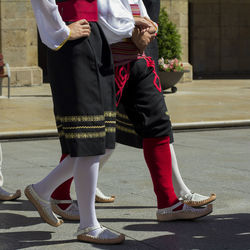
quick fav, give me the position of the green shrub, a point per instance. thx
(169, 39)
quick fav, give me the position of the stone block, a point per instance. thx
(25, 76)
(10, 38)
(188, 76)
(13, 9)
(15, 56)
(32, 56)
(37, 76)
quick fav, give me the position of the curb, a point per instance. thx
(176, 127)
(29, 134)
(210, 125)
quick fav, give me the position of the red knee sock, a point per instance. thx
(63, 191)
(158, 158)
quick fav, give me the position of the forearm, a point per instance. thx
(52, 29)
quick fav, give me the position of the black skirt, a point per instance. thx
(83, 90)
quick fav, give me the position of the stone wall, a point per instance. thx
(178, 14)
(18, 42)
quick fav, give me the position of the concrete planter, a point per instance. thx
(170, 79)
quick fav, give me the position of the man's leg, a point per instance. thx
(146, 108)
(182, 191)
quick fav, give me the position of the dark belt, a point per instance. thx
(60, 1)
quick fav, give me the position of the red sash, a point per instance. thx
(74, 10)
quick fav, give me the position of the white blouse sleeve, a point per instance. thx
(52, 29)
(144, 13)
(116, 19)
(143, 10)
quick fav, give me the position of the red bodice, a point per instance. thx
(74, 10)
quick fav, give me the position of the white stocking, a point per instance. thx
(85, 177)
(56, 177)
(179, 186)
(105, 158)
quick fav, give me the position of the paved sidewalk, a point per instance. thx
(203, 103)
(210, 161)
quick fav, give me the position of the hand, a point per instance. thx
(153, 28)
(79, 29)
(141, 39)
(145, 24)
(142, 23)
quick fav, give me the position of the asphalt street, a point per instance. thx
(211, 161)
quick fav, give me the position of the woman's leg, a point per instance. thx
(60, 174)
(39, 194)
(99, 195)
(4, 195)
(62, 193)
(85, 177)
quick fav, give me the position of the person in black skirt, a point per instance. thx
(82, 83)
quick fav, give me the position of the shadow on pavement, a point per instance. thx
(19, 240)
(229, 231)
(10, 220)
(17, 205)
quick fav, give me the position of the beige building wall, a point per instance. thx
(18, 41)
(19, 44)
(178, 14)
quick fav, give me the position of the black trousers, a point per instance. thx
(142, 111)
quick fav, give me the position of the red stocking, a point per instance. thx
(158, 158)
(63, 191)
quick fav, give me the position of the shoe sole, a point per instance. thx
(11, 198)
(64, 215)
(201, 203)
(40, 210)
(91, 239)
(102, 200)
(184, 215)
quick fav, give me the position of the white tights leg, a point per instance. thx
(103, 160)
(85, 176)
(179, 186)
(56, 177)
